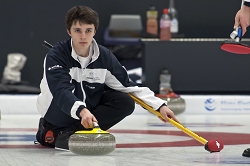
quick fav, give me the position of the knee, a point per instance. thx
(129, 104)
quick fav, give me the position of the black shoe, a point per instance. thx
(62, 141)
(44, 135)
(246, 152)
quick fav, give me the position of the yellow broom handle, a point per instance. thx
(171, 121)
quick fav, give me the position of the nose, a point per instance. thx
(83, 35)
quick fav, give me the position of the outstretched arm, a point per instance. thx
(242, 17)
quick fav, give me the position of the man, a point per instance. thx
(83, 83)
(242, 19)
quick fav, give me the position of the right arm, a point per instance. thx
(87, 118)
(242, 17)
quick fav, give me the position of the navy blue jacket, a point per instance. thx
(67, 87)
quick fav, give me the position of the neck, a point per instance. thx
(82, 52)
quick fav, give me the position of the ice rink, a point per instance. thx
(142, 139)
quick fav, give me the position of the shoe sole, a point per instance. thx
(246, 155)
(62, 149)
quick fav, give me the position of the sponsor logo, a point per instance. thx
(54, 67)
(90, 87)
(210, 104)
(226, 105)
(217, 144)
(92, 76)
(237, 105)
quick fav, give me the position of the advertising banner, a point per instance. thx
(217, 104)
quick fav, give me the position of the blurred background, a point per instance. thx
(26, 24)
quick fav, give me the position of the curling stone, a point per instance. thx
(92, 142)
(175, 102)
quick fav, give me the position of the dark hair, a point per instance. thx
(83, 14)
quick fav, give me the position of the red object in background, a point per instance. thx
(235, 47)
(171, 94)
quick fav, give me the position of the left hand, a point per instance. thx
(167, 113)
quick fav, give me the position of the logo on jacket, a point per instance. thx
(90, 87)
(54, 67)
(92, 76)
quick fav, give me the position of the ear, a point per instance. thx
(68, 32)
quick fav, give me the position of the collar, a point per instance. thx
(93, 46)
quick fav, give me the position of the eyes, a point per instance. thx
(80, 31)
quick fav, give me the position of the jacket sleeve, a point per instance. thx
(247, 3)
(117, 78)
(60, 83)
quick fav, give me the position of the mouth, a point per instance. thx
(82, 43)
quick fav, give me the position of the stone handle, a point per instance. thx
(95, 125)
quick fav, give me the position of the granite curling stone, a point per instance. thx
(174, 102)
(92, 142)
(177, 105)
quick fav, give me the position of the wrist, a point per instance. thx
(80, 108)
(82, 112)
(164, 104)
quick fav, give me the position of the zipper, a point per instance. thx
(82, 75)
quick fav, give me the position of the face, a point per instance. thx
(82, 35)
